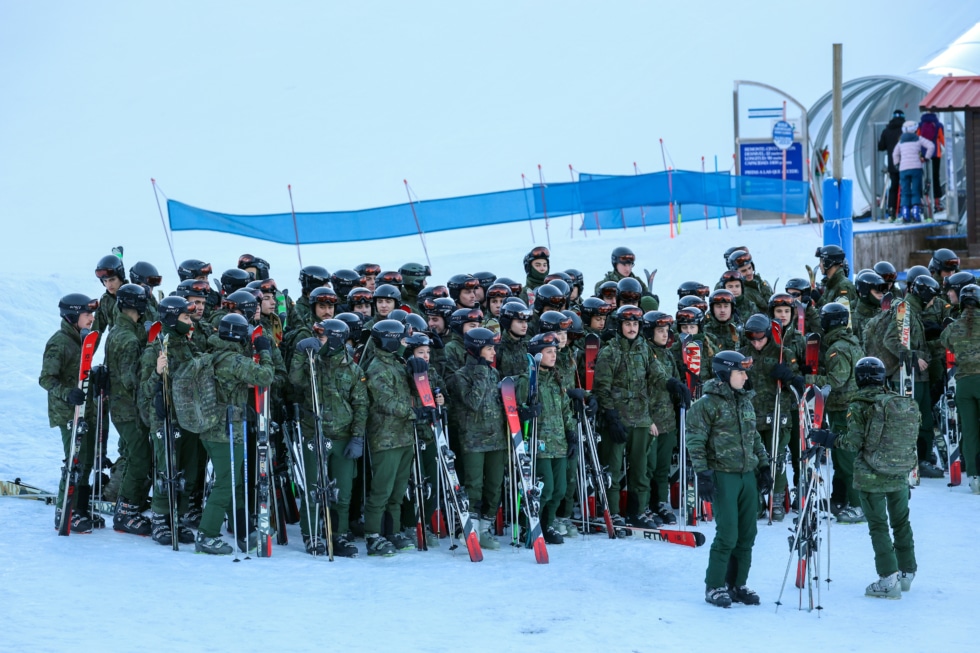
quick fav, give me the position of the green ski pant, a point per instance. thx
(843, 482)
(134, 439)
(736, 510)
(86, 456)
(880, 508)
(552, 472)
(391, 469)
(186, 449)
(637, 473)
(430, 470)
(483, 476)
(219, 501)
(925, 442)
(968, 410)
(658, 462)
(567, 506)
(342, 471)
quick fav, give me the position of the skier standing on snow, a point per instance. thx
(962, 338)
(726, 452)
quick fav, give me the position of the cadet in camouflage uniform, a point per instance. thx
(461, 321)
(835, 286)
(310, 278)
(413, 280)
(625, 374)
(482, 430)
(112, 274)
(197, 270)
(771, 366)
(726, 452)
(390, 437)
(59, 377)
(720, 325)
(124, 347)
(870, 289)
(512, 350)
(176, 329)
(689, 320)
(623, 260)
(731, 280)
(557, 435)
(952, 286)
(884, 497)
(235, 372)
(799, 289)
(754, 288)
(342, 392)
(537, 264)
(839, 352)
(962, 338)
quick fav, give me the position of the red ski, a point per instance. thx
(78, 429)
(592, 342)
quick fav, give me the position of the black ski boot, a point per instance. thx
(212, 545)
(552, 536)
(718, 596)
(129, 520)
(192, 518)
(743, 595)
(343, 548)
(161, 532)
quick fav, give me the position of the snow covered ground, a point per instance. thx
(121, 592)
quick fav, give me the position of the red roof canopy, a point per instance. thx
(953, 94)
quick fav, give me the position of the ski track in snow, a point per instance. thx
(122, 592)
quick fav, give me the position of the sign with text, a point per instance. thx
(766, 160)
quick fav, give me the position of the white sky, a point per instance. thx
(227, 103)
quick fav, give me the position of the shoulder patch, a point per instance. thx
(833, 354)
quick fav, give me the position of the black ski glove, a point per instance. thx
(261, 343)
(823, 437)
(615, 427)
(815, 295)
(416, 366)
(781, 372)
(76, 396)
(354, 448)
(706, 485)
(159, 405)
(679, 392)
(592, 409)
(425, 414)
(308, 344)
(571, 439)
(799, 385)
(577, 395)
(436, 339)
(99, 379)
(527, 413)
(933, 330)
(765, 479)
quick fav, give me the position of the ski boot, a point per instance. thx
(552, 536)
(377, 545)
(343, 548)
(929, 470)
(314, 545)
(486, 526)
(80, 523)
(403, 542)
(886, 587)
(212, 545)
(570, 529)
(192, 518)
(903, 213)
(129, 520)
(666, 514)
(743, 595)
(916, 213)
(905, 579)
(851, 515)
(975, 484)
(718, 596)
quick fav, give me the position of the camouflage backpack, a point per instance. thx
(889, 442)
(194, 398)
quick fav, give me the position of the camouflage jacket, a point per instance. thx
(302, 314)
(961, 339)
(625, 373)
(566, 367)
(235, 373)
(104, 314)
(455, 356)
(839, 352)
(859, 412)
(124, 346)
(59, 375)
(390, 422)
(835, 287)
(724, 335)
(708, 350)
(758, 293)
(721, 432)
(557, 416)
(179, 351)
(612, 275)
(866, 308)
(764, 386)
(478, 407)
(512, 355)
(342, 389)
(662, 403)
(892, 339)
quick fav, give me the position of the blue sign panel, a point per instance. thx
(766, 160)
(782, 135)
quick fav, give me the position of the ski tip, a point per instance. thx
(473, 546)
(540, 551)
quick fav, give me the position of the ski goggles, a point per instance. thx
(557, 301)
(629, 297)
(782, 299)
(370, 269)
(267, 286)
(499, 291)
(539, 252)
(626, 259)
(196, 288)
(392, 278)
(608, 293)
(438, 291)
(330, 297)
(153, 281)
(106, 273)
(741, 260)
(469, 284)
(659, 321)
(755, 336)
(629, 314)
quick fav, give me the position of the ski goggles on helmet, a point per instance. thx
(539, 252)
(755, 336)
(106, 273)
(370, 269)
(392, 278)
(626, 259)
(741, 260)
(329, 297)
(782, 299)
(609, 292)
(438, 292)
(500, 291)
(629, 314)
(197, 288)
(629, 297)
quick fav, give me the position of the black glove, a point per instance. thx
(781, 372)
(436, 339)
(933, 329)
(99, 379)
(425, 414)
(815, 295)
(706, 485)
(307, 345)
(527, 413)
(679, 392)
(416, 366)
(805, 369)
(261, 343)
(765, 479)
(798, 384)
(76, 396)
(592, 409)
(615, 427)
(823, 437)
(571, 439)
(354, 448)
(159, 405)
(577, 395)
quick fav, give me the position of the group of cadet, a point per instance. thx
(352, 340)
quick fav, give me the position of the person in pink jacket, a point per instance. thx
(908, 156)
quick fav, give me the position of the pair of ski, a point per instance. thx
(951, 425)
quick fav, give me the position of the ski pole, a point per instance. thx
(245, 480)
(234, 507)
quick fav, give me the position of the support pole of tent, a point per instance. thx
(292, 209)
(166, 232)
(704, 193)
(571, 218)
(643, 214)
(418, 226)
(544, 206)
(670, 187)
(530, 220)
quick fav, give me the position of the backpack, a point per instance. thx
(192, 389)
(889, 441)
(929, 130)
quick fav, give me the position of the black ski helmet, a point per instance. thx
(459, 282)
(801, 286)
(575, 330)
(925, 288)
(109, 266)
(354, 322)
(513, 309)
(607, 290)
(783, 299)
(654, 319)
(739, 259)
(416, 340)
(72, 305)
(233, 328)
(540, 342)
(397, 314)
(622, 255)
(913, 273)
(415, 323)
(387, 335)
(593, 306)
(193, 288)
(324, 295)
(869, 371)
(721, 296)
(553, 321)
(486, 279)
(944, 260)
(886, 271)
(958, 280)
(476, 339)
(312, 277)
(695, 302)
(970, 296)
(368, 269)
(728, 252)
(577, 280)
(171, 308)
(725, 362)
(498, 291)
(868, 281)
(562, 285)
(535, 254)
(145, 274)
(689, 315)
(234, 279)
(357, 297)
(464, 316)
(834, 315)
(192, 268)
(414, 274)
(133, 297)
(629, 291)
(830, 255)
(336, 331)
(344, 281)
(757, 327)
(240, 300)
(628, 313)
(695, 288)
(515, 287)
(548, 298)
(388, 291)
(391, 278)
(440, 306)
(732, 276)
(435, 292)
(260, 264)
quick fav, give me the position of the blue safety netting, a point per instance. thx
(611, 200)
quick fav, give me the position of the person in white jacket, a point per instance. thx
(908, 155)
